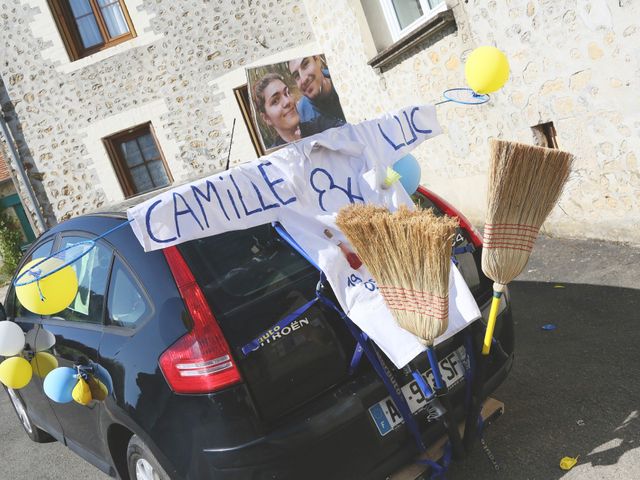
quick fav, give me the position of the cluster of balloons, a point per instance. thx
(16, 371)
(46, 286)
(64, 384)
(61, 384)
(44, 294)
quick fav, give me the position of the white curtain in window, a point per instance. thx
(114, 17)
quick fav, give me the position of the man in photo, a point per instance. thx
(319, 107)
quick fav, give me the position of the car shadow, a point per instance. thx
(573, 390)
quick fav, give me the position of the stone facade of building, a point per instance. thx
(178, 72)
(575, 63)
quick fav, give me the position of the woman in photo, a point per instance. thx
(277, 108)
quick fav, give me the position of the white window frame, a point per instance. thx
(394, 24)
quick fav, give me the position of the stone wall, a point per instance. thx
(59, 110)
(575, 63)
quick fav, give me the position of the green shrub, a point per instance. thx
(10, 241)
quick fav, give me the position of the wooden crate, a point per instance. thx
(491, 410)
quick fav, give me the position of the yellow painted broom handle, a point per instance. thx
(498, 289)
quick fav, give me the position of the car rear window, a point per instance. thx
(238, 270)
(252, 279)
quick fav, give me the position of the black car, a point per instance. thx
(168, 326)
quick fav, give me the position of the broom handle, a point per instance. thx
(498, 290)
(471, 424)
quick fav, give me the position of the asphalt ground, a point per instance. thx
(572, 391)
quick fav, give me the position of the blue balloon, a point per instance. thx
(409, 169)
(59, 384)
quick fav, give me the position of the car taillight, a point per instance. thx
(451, 211)
(200, 361)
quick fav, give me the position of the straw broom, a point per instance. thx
(409, 255)
(525, 183)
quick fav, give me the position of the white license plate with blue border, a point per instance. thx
(386, 414)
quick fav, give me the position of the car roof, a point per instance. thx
(120, 209)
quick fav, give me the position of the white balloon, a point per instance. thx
(40, 339)
(11, 339)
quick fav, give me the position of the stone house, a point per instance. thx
(91, 87)
(106, 99)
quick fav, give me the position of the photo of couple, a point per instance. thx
(293, 100)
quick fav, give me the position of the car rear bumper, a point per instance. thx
(335, 436)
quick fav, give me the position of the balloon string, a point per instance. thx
(117, 227)
(42, 297)
(37, 273)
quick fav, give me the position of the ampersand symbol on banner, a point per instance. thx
(331, 186)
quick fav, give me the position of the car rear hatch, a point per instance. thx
(252, 279)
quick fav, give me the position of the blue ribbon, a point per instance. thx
(439, 469)
(367, 347)
(465, 249)
(255, 343)
(357, 356)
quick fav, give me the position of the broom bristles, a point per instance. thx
(408, 253)
(525, 183)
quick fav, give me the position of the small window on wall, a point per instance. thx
(138, 160)
(544, 135)
(402, 16)
(88, 26)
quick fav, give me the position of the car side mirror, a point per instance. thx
(3, 313)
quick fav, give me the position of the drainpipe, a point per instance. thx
(8, 137)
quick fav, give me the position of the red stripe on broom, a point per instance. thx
(511, 226)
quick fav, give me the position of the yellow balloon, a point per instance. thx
(487, 69)
(15, 372)
(81, 392)
(58, 289)
(98, 389)
(42, 363)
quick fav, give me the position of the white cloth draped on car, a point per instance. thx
(302, 186)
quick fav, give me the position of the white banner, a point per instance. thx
(303, 186)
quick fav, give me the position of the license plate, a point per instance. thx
(386, 414)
